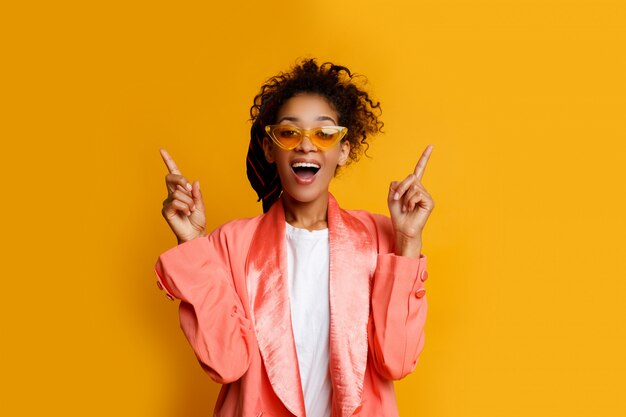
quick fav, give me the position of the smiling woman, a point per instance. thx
(348, 106)
(305, 170)
(307, 309)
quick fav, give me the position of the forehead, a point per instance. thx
(307, 107)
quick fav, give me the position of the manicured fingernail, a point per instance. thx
(189, 186)
(396, 196)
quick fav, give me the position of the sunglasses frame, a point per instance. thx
(269, 129)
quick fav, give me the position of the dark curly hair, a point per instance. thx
(356, 110)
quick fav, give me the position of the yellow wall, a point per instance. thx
(523, 100)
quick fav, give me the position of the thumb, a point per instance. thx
(392, 190)
(196, 194)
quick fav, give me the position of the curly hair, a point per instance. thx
(355, 108)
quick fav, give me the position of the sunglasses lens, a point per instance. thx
(326, 136)
(287, 136)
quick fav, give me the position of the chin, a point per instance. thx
(301, 195)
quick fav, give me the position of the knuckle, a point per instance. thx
(179, 195)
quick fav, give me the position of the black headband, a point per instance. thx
(262, 175)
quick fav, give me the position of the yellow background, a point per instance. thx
(524, 102)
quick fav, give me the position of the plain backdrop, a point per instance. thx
(524, 102)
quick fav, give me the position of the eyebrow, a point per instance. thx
(295, 119)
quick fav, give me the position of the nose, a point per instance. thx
(306, 145)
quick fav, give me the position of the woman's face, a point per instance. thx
(306, 184)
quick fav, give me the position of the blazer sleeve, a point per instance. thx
(211, 313)
(398, 307)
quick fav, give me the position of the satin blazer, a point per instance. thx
(234, 310)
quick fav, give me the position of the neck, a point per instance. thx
(311, 215)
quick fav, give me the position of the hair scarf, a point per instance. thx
(262, 175)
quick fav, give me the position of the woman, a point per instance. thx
(308, 309)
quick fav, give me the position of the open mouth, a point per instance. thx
(305, 170)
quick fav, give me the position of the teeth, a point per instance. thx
(305, 165)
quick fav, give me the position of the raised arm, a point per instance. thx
(399, 306)
(197, 272)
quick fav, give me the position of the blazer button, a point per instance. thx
(420, 293)
(160, 285)
(424, 276)
(169, 297)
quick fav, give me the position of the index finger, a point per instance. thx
(421, 164)
(171, 165)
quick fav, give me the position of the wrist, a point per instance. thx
(185, 240)
(410, 247)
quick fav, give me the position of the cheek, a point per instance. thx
(334, 158)
(282, 162)
(280, 157)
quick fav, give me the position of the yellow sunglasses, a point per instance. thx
(288, 137)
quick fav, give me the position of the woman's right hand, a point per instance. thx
(183, 209)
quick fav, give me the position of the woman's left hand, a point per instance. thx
(409, 206)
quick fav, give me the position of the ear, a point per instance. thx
(344, 153)
(267, 150)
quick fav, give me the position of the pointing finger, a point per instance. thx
(421, 164)
(171, 165)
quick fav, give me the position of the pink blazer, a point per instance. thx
(235, 313)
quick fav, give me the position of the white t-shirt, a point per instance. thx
(308, 256)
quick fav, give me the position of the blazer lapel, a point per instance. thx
(268, 292)
(352, 266)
